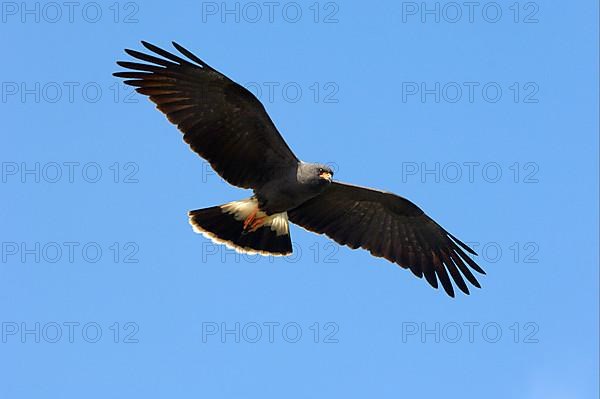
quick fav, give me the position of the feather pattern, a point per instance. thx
(216, 115)
(392, 227)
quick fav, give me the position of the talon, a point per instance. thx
(252, 222)
(257, 223)
(250, 219)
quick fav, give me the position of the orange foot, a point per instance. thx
(252, 223)
(257, 223)
(250, 219)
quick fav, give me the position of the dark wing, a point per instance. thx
(221, 120)
(392, 227)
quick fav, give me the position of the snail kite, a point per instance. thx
(229, 127)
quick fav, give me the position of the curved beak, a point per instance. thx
(326, 175)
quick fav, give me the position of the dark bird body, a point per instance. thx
(297, 185)
(227, 125)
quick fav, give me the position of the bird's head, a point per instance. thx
(314, 174)
(324, 173)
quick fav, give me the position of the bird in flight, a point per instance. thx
(228, 126)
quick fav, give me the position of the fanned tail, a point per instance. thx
(242, 226)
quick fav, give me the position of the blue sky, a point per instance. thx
(486, 117)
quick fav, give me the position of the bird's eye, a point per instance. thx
(320, 170)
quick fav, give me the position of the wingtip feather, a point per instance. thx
(191, 55)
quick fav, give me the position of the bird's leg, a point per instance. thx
(252, 223)
(250, 219)
(258, 223)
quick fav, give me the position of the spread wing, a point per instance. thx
(220, 120)
(392, 227)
